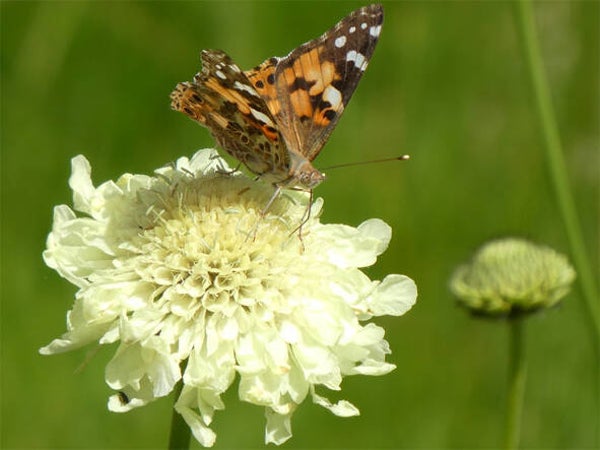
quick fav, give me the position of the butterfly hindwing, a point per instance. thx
(222, 99)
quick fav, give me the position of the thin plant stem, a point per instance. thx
(517, 374)
(558, 176)
(556, 164)
(180, 431)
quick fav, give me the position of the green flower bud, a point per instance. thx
(511, 277)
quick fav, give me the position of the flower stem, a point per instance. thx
(517, 374)
(558, 175)
(180, 431)
(556, 164)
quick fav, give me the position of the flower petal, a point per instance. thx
(394, 296)
(135, 363)
(378, 230)
(206, 402)
(343, 408)
(346, 246)
(81, 184)
(279, 427)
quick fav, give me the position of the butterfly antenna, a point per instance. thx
(372, 161)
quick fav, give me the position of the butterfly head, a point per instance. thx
(306, 176)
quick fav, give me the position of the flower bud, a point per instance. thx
(512, 277)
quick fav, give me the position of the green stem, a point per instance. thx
(556, 163)
(517, 374)
(558, 175)
(180, 431)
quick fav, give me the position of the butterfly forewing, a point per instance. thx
(316, 80)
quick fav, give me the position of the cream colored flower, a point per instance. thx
(195, 283)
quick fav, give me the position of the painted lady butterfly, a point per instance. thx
(276, 118)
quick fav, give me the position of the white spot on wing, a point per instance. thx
(340, 42)
(357, 58)
(221, 75)
(260, 116)
(244, 87)
(374, 31)
(333, 96)
(352, 30)
(363, 26)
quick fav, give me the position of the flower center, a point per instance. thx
(212, 248)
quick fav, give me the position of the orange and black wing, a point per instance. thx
(307, 91)
(222, 99)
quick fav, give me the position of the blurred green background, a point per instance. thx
(447, 84)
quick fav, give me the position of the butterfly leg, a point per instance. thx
(276, 193)
(264, 211)
(230, 171)
(305, 217)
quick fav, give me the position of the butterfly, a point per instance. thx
(276, 117)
